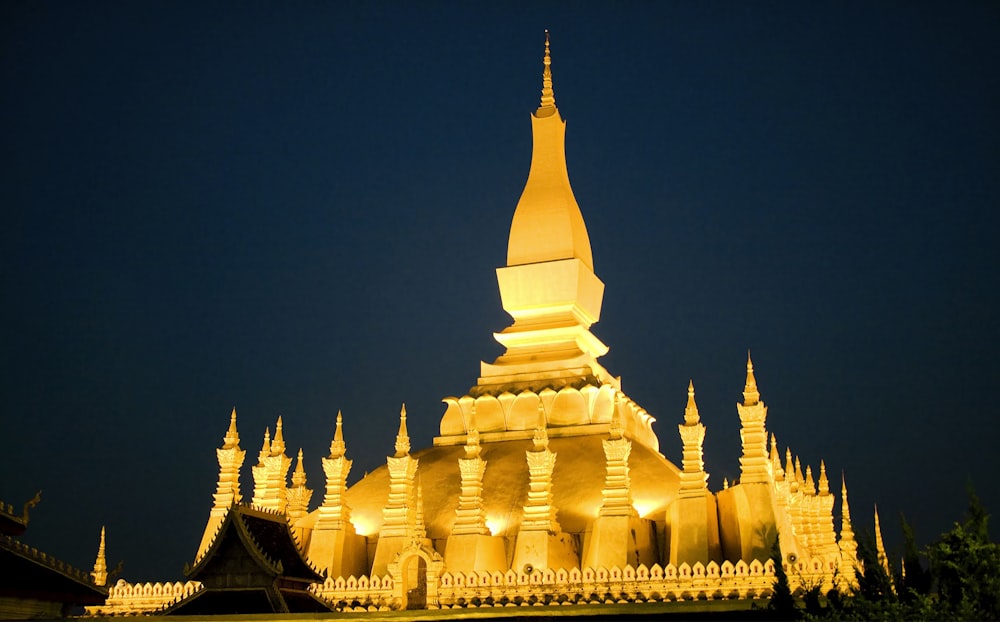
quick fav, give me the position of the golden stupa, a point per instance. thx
(545, 482)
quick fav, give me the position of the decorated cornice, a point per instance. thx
(569, 412)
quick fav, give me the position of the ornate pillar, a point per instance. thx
(334, 546)
(227, 492)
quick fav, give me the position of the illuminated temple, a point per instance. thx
(545, 483)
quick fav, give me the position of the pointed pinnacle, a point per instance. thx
(810, 484)
(299, 475)
(845, 510)
(824, 483)
(232, 438)
(548, 95)
(691, 416)
(750, 394)
(266, 447)
(338, 447)
(402, 437)
(278, 442)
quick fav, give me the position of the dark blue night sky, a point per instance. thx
(295, 208)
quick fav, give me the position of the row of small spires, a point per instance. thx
(276, 446)
(792, 471)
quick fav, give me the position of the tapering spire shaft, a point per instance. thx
(100, 572)
(402, 437)
(548, 95)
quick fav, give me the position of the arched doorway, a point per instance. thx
(415, 583)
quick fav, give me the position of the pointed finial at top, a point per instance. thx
(402, 437)
(779, 473)
(750, 394)
(691, 416)
(809, 483)
(548, 95)
(232, 437)
(100, 572)
(265, 449)
(883, 559)
(338, 448)
(824, 483)
(845, 510)
(299, 475)
(278, 442)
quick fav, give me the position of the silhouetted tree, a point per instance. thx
(782, 603)
(915, 580)
(965, 567)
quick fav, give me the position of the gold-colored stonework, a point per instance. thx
(546, 481)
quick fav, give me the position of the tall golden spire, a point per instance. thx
(548, 285)
(548, 103)
(547, 224)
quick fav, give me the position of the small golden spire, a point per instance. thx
(789, 465)
(232, 438)
(100, 572)
(265, 449)
(299, 475)
(824, 483)
(779, 473)
(883, 559)
(338, 448)
(750, 394)
(845, 510)
(278, 442)
(402, 437)
(810, 484)
(691, 416)
(548, 95)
